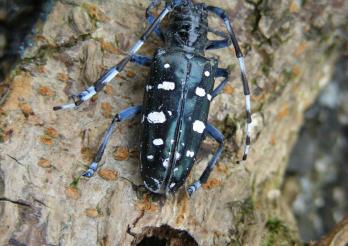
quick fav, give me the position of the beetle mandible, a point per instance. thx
(177, 95)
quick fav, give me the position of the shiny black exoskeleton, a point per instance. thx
(177, 96)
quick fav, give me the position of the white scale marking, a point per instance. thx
(209, 97)
(246, 150)
(200, 92)
(176, 169)
(110, 76)
(88, 93)
(242, 64)
(166, 85)
(93, 166)
(195, 185)
(171, 185)
(247, 128)
(207, 73)
(177, 155)
(136, 46)
(198, 126)
(247, 102)
(170, 113)
(190, 153)
(150, 157)
(157, 141)
(166, 65)
(156, 117)
(148, 87)
(165, 162)
(66, 106)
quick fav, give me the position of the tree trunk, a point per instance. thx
(290, 50)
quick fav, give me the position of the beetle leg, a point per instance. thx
(125, 114)
(221, 72)
(141, 60)
(112, 72)
(221, 13)
(217, 135)
(218, 44)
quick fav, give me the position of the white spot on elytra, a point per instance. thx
(166, 85)
(198, 126)
(209, 97)
(165, 162)
(150, 157)
(207, 73)
(157, 141)
(170, 113)
(166, 65)
(177, 155)
(148, 87)
(200, 92)
(156, 117)
(172, 141)
(190, 153)
(172, 185)
(176, 169)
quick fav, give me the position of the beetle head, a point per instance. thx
(188, 26)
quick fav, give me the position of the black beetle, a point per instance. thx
(177, 96)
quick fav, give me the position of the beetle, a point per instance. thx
(178, 93)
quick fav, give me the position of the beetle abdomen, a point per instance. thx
(176, 105)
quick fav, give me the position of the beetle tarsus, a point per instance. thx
(190, 190)
(88, 174)
(193, 187)
(65, 106)
(91, 170)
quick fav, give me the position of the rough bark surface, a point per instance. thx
(290, 50)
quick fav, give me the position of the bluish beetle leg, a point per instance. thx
(125, 114)
(150, 18)
(221, 13)
(221, 72)
(141, 60)
(217, 135)
(218, 44)
(115, 70)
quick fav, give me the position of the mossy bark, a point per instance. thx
(290, 50)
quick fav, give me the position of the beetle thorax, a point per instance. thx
(188, 27)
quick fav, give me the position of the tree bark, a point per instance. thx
(290, 50)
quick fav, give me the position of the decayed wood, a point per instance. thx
(289, 55)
